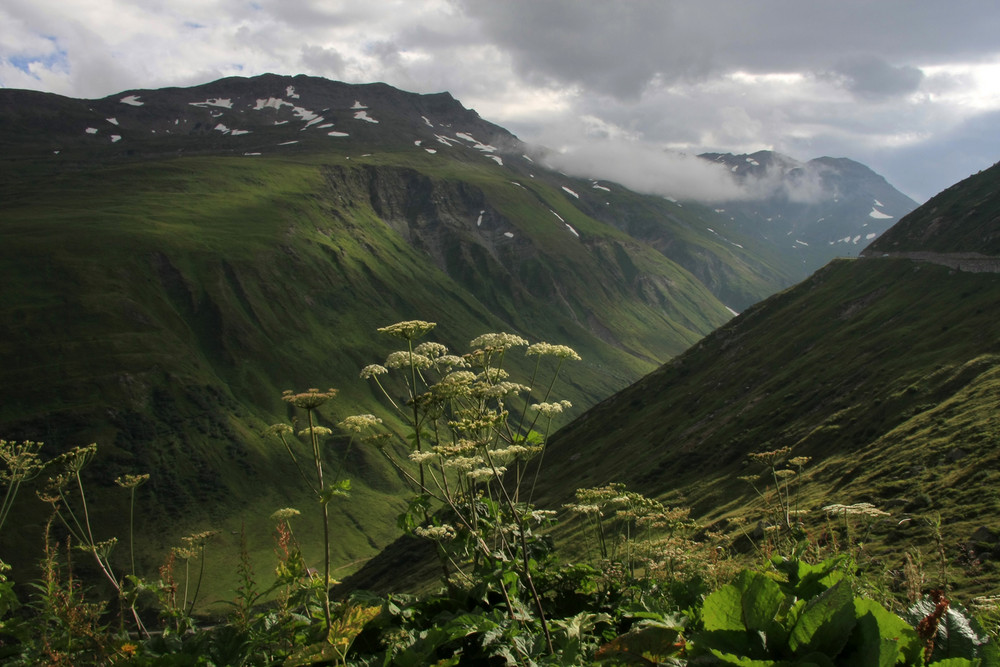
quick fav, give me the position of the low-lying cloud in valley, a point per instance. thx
(681, 176)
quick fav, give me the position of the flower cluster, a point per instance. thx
(309, 399)
(408, 330)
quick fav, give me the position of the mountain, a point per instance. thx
(819, 210)
(172, 260)
(884, 370)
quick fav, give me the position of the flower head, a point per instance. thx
(359, 423)
(497, 341)
(371, 370)
(284, 514)
(408, 330)
(309, 399)
(131, 481)
(403, 359)
(432, 350)
(548, 349)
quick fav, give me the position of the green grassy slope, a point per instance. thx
(159, 309)
(885, 372)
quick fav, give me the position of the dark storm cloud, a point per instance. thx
(619, 48)
(873, 78)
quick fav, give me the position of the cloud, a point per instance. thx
(873, 78)
(646, 169)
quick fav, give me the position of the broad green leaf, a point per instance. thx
(761, 602)
(825, 623)
(723, 609)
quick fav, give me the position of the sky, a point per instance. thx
(625, 90)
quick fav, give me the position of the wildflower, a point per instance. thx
(771, 457)
(459, 448)
(408, 330)
(20, 459)
(481, 474)
(318, 431)
(432, 350)
(547, 349)
(403, 359)
(464, 462)
(444, 532)
(782, 474)
(309, 399)
(359, 423)
(278, 430)
(548, 409)
(497, 341)
(131, 481)
(799, 461)
(500, 390)
(422, 457)
(284, 514)
(449, 360)
(493, 375)
(372, 370)
(75, 459)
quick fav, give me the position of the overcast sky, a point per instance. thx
(909, 87)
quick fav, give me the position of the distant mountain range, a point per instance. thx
(171, 260)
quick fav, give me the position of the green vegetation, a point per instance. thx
(657, 589)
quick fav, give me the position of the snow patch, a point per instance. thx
(236, 133)
(251, 154)
(732, 311)
(444, 140)
(600, 187)
(311, 117)
(869, 237)
(750, 160)
(337, 134)
(497, 159)
(879, 204)
(557, 215)
(801, 242)
(363, 115)
(290, 92)
(479, 220)
(113, 121)
(509, 235)
(429, 124)
(430, 150)
(417, 142)
(879, 215)
(91, 130)
(280, 122)
(570, 228)
(570, 192)
(358, 105)
(289, 143)
(226, 103)
(132, 100)
(527, 158)
(115, 138)
(856, 239)
(324, 126)
(221, 128)
(271, 103)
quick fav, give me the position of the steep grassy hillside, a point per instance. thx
(885, 371)
(159, 309)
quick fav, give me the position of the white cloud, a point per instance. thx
(801, 78)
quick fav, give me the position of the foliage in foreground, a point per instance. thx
(656, 589)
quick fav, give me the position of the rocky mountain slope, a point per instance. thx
(821, 209)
